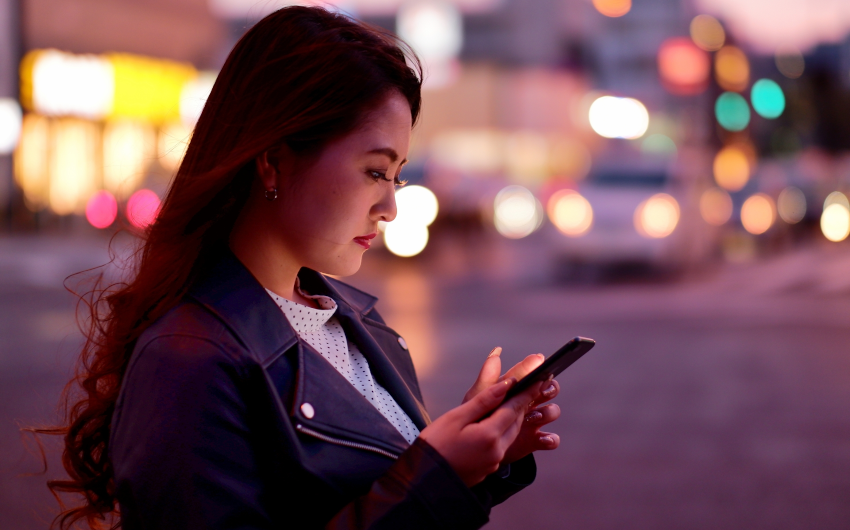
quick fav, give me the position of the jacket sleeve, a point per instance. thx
(184, 455)
(181, 446)
(511, 479)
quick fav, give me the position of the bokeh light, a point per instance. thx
(613, 117)
(791, 205)
(142, 208)
(707, 33)
(433, 28)
(31, 161)
(148, 89)
(659, 144)
(657, 216)
(72, 166)
(102, 209)
(613, 8)
(732, 69)
(835, 222)
(790, 62)
(516, 212)
(128, 149)
(684, 68)
(416, 205)
(571, 213)
(64, 84)
(194, 96)
(758, 214)
(11, 119)
(405, 239)
(768, 98)
(172, 144)
(407, 235)
(731, 168)
(715, 206)
(836, 197)
(732, 111)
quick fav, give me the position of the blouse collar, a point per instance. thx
(306, 319)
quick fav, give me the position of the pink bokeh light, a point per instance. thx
(102, 209)
(142, 208)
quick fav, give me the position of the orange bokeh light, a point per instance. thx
(613, 8)
(684, 68)
(732, 69)
(758, 214)
(732, 168)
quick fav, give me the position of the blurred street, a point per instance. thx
(716, 400)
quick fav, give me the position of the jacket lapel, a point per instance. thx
(350, 313)
(336, 408)
(232, 293)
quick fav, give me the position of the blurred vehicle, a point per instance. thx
(630, 213)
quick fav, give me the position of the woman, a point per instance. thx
(231, 384)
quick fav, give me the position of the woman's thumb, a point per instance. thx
(489, 374)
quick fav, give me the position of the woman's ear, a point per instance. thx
(268, 169)
(271, 165)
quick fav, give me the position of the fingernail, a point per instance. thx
(549, 391)
(495, 352)
(534, 416)
(547, 440)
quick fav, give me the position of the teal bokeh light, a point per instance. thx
(768, 99)
(732, 111)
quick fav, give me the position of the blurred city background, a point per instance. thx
(669, 177)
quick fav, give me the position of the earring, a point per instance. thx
(271, 194)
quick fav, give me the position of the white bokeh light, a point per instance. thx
(194, 96)
(835, 222)
(76, 85)
(434, 28)
(407, 235)
(516, 212)
(416, 205)
(614, 117)
(405, 239)
(10, 125)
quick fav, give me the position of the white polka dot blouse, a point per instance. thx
(321, 330)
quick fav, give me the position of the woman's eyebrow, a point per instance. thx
(389, 152)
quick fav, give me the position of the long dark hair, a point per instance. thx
(303, 76)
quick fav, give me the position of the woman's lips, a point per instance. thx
(365, 241)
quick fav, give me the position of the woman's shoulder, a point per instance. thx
(190, 330)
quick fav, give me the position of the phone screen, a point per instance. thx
(554, 364)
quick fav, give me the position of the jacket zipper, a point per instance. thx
(345, 443)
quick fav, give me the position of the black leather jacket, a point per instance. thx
(210, 430)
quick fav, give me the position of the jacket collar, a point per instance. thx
(232, 293)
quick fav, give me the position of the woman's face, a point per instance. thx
(327, 213)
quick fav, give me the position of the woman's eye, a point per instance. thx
(380, 175)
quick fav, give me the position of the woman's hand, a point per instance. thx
(476, 447)
(530, 438)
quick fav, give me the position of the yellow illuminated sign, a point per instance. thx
(110, 86)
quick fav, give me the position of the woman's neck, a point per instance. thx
(270, 263)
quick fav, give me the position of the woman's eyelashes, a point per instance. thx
(382, 175)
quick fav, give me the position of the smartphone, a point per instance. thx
(554, 364)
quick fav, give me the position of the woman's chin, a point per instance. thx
(344, 267)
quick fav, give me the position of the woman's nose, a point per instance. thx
(385, 209)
